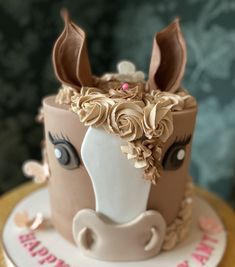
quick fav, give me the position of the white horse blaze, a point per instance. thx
(121, 192)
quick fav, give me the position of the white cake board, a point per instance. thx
(184, 255)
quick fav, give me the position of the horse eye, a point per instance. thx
(174, 157)
(65, 153)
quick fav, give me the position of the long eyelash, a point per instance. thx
(64, 137)
(184, 140)
(55, 139)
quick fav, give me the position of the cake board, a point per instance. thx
(65, 253)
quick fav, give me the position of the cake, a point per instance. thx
(117, 150)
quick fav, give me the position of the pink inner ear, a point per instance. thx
(172, 48)
(70, 57)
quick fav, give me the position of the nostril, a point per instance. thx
(85, 238)
(153, 241)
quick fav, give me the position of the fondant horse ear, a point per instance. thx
(70, 57)
(168, 59)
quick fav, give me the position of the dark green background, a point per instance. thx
(119, 30)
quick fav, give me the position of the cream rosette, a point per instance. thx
(171, 101)
(91, 91)
(178, 101)
(157, 122)
(125, 120)
(189, 101)
(65, 94)
(92, 109)
(135, 92)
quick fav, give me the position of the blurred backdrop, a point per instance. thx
(119, 30)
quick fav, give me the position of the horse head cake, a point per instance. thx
(117, 149)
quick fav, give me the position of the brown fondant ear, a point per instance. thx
(70, 57)
(168, 59)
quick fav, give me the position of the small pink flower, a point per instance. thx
(209, 225)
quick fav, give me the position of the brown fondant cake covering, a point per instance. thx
(153, 118)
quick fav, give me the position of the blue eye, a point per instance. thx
(64, 152)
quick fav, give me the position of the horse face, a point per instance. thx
(105, 176)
